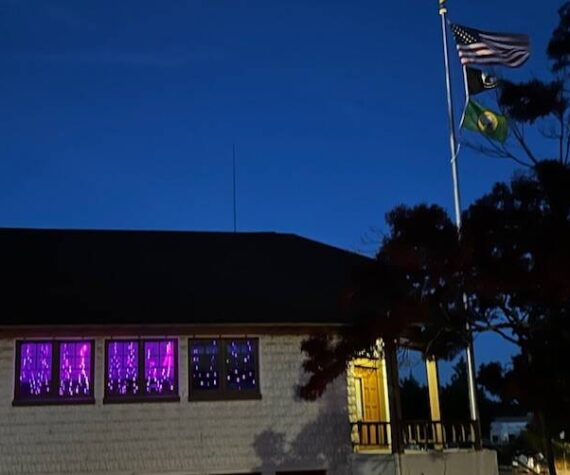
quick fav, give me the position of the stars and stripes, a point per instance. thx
(480, 47)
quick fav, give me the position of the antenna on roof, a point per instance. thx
(234, 186)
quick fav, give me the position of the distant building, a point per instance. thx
(507, 429)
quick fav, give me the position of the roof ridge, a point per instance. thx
(181, 232)
(140, 230)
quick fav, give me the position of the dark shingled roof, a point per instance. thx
(158, 277)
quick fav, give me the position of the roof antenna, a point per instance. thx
(234, 187)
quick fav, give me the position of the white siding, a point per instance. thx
(277, 432)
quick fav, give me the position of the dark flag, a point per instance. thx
(481, 47)
(479, 81)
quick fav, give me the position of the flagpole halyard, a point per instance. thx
(473, 409)
(466, 84)
(467, 95)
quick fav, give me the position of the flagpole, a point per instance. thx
(470, 353)
(473, 409)
(451, 116)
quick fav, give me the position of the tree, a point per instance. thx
(511, 264)
(414, 398)
(519, 286)
(508, 272)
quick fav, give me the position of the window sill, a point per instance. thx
(239, 396)
(53, 402)
(140, 399)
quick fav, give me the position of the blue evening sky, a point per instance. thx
(123, 114)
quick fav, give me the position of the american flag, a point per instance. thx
(480, 47)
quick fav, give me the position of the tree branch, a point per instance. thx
(547, 132)
(496, 151)
(498, 329)
(514, 323)
(520, 139)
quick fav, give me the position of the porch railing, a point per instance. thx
(373, 434)
(423, 435)
(420, 434)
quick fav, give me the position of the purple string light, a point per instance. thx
(35, 369)
(75, 369)
(160, 374)
(122, 368)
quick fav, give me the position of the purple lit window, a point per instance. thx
(224, 369)
(35, 370)
(75, 369)
(159, 367)
(54, 371)
(241, 365)
(122, 368)
(205, 365)
(141, 369)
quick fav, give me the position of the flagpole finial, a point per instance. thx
(442, 7)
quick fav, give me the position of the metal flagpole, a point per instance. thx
(470, 354)
(451, 116)
(473, 409)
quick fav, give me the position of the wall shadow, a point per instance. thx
(323, 443)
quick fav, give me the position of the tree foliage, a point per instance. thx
(405, 294)
(528, 101)
(559, 46)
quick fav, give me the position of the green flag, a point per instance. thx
(485, 121)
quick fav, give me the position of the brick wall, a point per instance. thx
(278, 432)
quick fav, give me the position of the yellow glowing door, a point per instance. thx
(369, 381)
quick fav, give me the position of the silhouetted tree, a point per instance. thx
(454, 401)
(414, 398)
(519, 285)
(511, 262)
(508, 272)
(453, 395)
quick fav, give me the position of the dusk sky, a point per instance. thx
(123, 114)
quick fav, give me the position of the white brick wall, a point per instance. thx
(277, 432)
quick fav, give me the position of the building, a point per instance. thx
(506, 429)
(133, 352)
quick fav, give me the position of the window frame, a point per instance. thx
(223, 393)
(20, 400)
(142, 396)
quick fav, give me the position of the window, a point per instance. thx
(52, 372)
(141, 370)
(224, 369)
